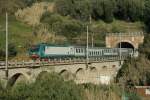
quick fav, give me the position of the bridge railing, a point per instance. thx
(30, 64)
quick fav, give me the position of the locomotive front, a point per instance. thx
(34, 52)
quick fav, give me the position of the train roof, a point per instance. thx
(66, 45)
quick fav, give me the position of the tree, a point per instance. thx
(145, 47)
(83, 9)
(79, 9)
(12, 51)
(109, 7)
(97, 9)
(65, 26)
(147, 14)
(71, 29)
(134, 72)
(65, 7)
(130, 9)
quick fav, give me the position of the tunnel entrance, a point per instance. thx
(125, 45)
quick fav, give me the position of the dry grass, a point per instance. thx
(100, 94)
(31, 15)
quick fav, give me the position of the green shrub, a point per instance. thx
(47, 87)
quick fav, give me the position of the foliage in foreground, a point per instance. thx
(137, 71)
(47, 87)
(53, 87)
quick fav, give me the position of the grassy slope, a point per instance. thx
(101, 28)
(21, 34)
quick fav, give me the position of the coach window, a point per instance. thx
(76, 50)
(92, 53)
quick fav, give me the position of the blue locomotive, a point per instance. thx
(47, 51)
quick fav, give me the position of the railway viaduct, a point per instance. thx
(102, 71)
(96, 72)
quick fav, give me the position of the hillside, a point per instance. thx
(21, 34)
(64, 22)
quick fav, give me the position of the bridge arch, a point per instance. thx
(66, 74)
(63, 71)
(93, 69)
(80, 71)
(41, 74)
(12, 80)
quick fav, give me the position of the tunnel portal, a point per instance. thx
(125, 45)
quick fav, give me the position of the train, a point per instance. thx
(47, 51)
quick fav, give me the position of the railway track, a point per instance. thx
(36, 64)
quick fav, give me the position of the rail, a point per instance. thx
(36, 64)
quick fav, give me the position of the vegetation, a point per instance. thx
(19, 33)
(136, 71)
(65, 22)
(51, 86)
(131, 10)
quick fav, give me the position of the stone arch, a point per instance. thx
(66, 74)
(80, 70)
(12, 80)
(92, 72)
(125, 44)
(41, 74)
(63, 71)
(93, 69)
(80, 73)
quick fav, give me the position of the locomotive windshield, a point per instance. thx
(34, 48)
